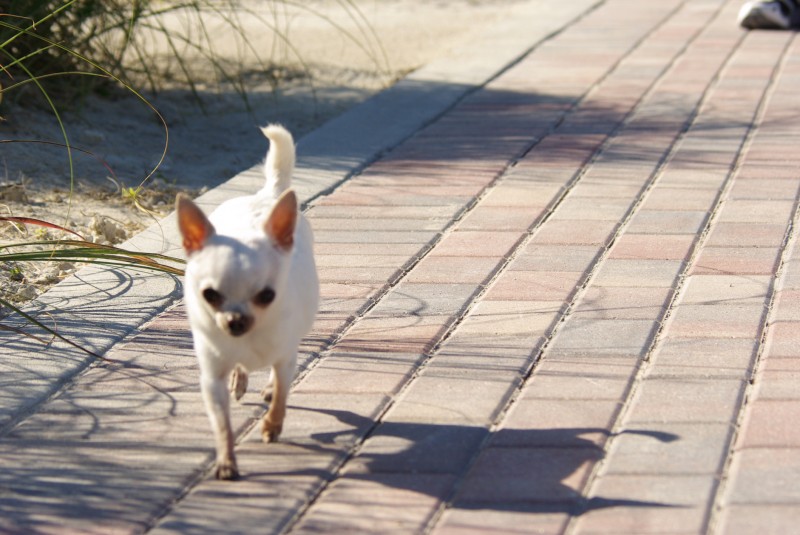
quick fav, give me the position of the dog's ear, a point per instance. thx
(193, 224)
(282, 221)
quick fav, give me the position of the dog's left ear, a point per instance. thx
(193, 224)
(282, 221)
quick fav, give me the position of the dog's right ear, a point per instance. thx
(193, 224)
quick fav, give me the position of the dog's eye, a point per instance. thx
(264, 297)
(212, 297)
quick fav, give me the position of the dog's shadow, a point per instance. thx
(537, 470)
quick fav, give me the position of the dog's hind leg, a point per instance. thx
(266, 392)
(282, 376)
(238, 382)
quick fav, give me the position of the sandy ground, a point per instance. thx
(298, 66)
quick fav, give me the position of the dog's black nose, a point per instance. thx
(238, 324)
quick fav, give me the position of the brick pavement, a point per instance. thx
(569, 304)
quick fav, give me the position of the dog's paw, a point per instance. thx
(227, 471)
(238, 384)
(266, 394)
(270, 432)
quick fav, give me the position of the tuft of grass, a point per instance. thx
(55, 52)
(62, 43)
(87, 252)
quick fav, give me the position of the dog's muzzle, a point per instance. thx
(237, 323)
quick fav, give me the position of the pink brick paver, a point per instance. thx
(569, 304)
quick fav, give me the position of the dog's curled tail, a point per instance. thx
(280, 159)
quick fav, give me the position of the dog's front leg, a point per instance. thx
(282, 375)
(216, 398)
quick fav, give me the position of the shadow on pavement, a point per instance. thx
(530, 470)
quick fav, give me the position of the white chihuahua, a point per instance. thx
(251, 292)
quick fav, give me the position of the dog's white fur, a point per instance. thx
(251, 293)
